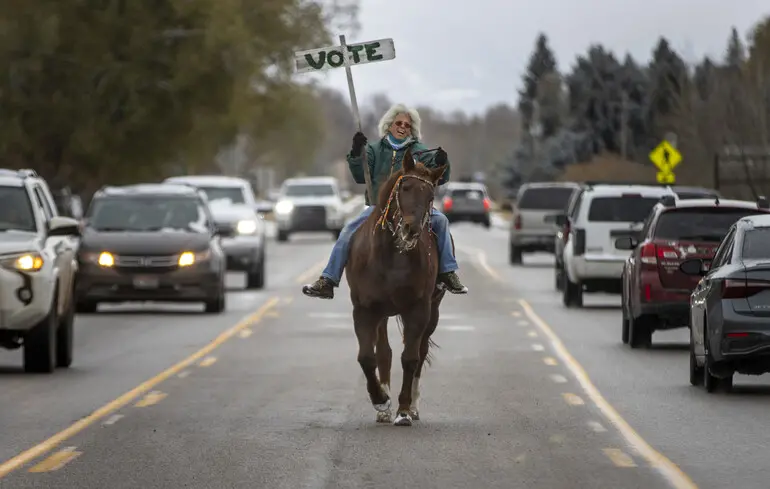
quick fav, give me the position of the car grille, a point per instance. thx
(310, 213)
(226, 230)
(157, 263)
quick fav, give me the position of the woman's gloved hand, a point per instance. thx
(440, 158)
(359, 141)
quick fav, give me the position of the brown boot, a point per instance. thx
(323, 288)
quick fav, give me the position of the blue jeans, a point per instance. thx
(438, 221)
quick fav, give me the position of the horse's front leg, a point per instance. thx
(365, 323)
(415, 324)
(384, 356)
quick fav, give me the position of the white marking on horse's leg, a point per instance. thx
(384, 416)
(415, 406)
(386, 389)
(403, 419)
(383, 407)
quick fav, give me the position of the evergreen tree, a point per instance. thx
(541, 62)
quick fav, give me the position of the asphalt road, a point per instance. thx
(278, 401)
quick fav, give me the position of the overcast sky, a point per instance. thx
(468, 55)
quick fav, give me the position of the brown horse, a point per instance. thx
(391, 271)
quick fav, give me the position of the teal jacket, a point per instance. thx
(381, 156)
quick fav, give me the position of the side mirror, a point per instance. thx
(695, 267)
(63, 226)
(625, 243)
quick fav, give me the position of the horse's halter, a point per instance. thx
(403, 244)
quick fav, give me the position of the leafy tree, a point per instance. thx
(118, 90)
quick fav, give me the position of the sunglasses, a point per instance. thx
(403, 124)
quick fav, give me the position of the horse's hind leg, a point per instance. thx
(425, 344)
(384, 356)
(365, 323)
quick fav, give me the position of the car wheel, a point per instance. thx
(711, 382)
(65, 338)
(487, 223)
(256, 279)
(283, 235)
(515, 255)
(217, 304)
(640, 331)
(558, 273)
(572, 293)
(696, 372)
(40, 343)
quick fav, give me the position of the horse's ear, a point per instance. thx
(408, 161)
(437, 173)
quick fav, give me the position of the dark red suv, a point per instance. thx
(656, 294)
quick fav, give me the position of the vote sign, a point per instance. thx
(332, 57)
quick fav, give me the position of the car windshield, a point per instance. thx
(147, 214)
(756, 244)
(698, 224)
(548, 199)
(621, 209)
(233, 194)
(308, 190)
(16, 212)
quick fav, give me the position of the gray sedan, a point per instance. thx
(730, 307)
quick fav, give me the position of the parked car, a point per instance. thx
(656, 294)
(730, 307)
(37, 273)
(603, 213)
(154, 242)
(220, 188)
(466, 201)
(310, 204)
(533, 226)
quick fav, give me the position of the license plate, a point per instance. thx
(146, 282)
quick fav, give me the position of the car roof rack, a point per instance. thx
(23, 173)
(762, 202)
(591, 183)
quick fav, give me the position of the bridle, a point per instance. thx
(403, 244)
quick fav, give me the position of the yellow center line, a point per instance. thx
(57, 460)
(46, 446)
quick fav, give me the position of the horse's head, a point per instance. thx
(406, 207)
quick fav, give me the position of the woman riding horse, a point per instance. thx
(399, 129)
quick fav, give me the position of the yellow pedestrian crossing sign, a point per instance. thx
(665, 157)
(666, 177)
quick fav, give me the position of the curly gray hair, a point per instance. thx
(395, 111)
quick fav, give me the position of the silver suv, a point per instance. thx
(533, 226)
(37, 272)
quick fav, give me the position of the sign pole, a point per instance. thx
(357, 117)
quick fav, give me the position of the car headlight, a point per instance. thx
(284, 207)
(189, 258)
(247, 227)
(27, 262)
(106, 259)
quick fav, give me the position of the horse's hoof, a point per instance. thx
(382, 407)
(403, 419)
(384, 417)
(415, 415)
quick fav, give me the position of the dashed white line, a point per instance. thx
(596, 426)
(532, 334)
(112, 419)
(538, 347)
(183, 374)
(559, 379)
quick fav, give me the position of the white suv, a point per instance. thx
(601, 214)
(37, 272)
(309, 204)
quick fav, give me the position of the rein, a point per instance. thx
(395, 231)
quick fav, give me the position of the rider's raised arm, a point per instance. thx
(427, 158)
(356, 168)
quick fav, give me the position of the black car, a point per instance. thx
(730, 307)
(153, 242)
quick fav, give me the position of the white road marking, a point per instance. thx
(538, 347)
(559, 379)
(596, 426)
(457, 328)
(112, 419)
